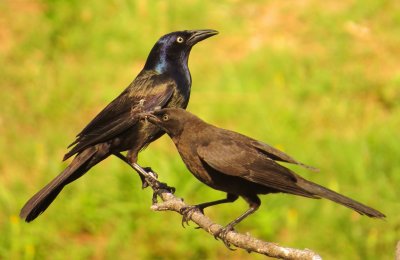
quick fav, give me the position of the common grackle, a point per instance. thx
(238, 165)
(165, 81)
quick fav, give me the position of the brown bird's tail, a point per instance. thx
(42, 199)
(338, 198)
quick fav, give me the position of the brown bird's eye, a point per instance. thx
(179, 39)
(165, 117)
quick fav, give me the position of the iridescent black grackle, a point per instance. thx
(164, 82)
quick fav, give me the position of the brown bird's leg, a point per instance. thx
(254, 203)
(187, 212)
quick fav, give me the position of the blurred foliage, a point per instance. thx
(318, 79)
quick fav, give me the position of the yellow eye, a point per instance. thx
(179, 39)
(165, 117)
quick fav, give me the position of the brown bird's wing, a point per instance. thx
(143, 95)
(277, 155)
(235, 158)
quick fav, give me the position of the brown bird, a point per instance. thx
(165, 81)
(238, 165)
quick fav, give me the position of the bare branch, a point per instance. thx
(244, 241)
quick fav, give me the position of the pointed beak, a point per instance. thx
(149, 117)
(199, 35)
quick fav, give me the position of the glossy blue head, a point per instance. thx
(172, 50)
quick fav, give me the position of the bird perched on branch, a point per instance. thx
(238, 165)
(165, 81)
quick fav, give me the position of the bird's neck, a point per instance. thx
(161, 60)
(181, 74)
(175, 67)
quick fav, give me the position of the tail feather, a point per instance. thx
(42, 199)
(338, 198)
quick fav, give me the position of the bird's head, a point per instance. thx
(171, 120)
(174, 48)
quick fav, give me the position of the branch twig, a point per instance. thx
(244, 241)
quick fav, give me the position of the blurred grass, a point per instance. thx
(319, 80)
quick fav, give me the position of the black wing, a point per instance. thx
(234, 158)
(146, 92)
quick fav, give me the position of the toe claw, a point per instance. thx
(221, 234)
(154, 198)
(187, 213)
(145, 185)
(164, 186)
(144, 182)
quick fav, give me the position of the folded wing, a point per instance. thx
(121, 114)
(235, 158)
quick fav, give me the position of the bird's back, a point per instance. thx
(227, 161)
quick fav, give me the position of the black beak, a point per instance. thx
(199, 35)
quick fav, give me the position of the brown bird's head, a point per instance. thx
(171, 120)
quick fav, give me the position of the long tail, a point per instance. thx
(338, 198)
(78, 167)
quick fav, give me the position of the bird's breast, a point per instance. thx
(184, 86)
(193, 162)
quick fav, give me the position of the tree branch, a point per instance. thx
(244, 241)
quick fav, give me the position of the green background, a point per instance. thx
(317, 79)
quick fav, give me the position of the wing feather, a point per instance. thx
(231, 157)
(144, 94)
(278, 155)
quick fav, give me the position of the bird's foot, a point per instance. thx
(157, 186)
(187, 213)
(222, 233)
(153, 181)
(164, 186)
(145, 183)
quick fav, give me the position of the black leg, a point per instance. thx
(146, 172)
(130, 159)
(189, 210)
(254, 203)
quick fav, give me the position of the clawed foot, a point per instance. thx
(155, 184)
(187, 213)
(150, 171)
(159, 188)
(164, 186)
(222, 233)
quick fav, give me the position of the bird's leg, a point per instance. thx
(151, 179)
(143, 172)
(148, 177)
(188, 211)
(254, 203)
(130, 161)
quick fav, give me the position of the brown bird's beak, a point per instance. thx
(199, 35)
(149, 117)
